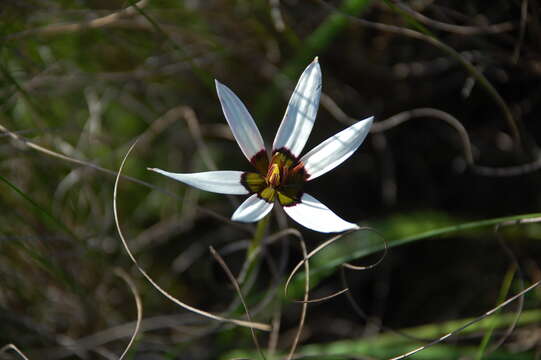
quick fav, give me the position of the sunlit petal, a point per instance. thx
(223, 182)
(314, 215)
(336, 149)
(240, 121)
(252, 209)
(301, 111)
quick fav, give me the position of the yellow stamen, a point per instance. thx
(273, 176)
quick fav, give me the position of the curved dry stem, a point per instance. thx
(305, 302)
(483, 81)
(14, 348)
(469, 323)
(404, 116)
(329, 242)
(508, 171)
(122, 274)
(368, 267)
(52, 153)
(407, 115)
(248, 324)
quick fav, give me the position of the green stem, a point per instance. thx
(253, 249)
(258, 236)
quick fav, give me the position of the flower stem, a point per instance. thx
(258, 236)
(253, 249)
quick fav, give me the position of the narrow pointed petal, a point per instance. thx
(301, 111)
(240, 121)
(252, 209)
(223, 182)
(314, 215)
(336, 149)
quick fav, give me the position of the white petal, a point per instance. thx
(252, 209)
(336, 149)
(316, 216)
(240, 121)
(223, 182)
(301, 111)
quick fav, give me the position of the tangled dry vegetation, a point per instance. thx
(446, 186)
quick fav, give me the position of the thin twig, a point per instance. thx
(327, 243)
(469, 323)
(239, 292)
(248, 324)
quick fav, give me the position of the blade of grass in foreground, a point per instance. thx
(375, 246)
(397, 231)
(391, 344)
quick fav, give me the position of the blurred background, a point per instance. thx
(449, 176)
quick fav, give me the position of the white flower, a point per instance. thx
(281, 177)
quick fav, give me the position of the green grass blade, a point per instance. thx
(363, 243)
(43, 213)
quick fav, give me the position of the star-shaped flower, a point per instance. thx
(281, 176)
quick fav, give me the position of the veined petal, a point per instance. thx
(252, 209)
(223, 182)
(301, 111)
(336, 149)
(240, 121)
(314, 215)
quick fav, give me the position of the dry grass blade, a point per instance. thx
(122, 274)
(469, 323)
(14, 348)
(46, 151)
(239, 292)
(259, 326)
